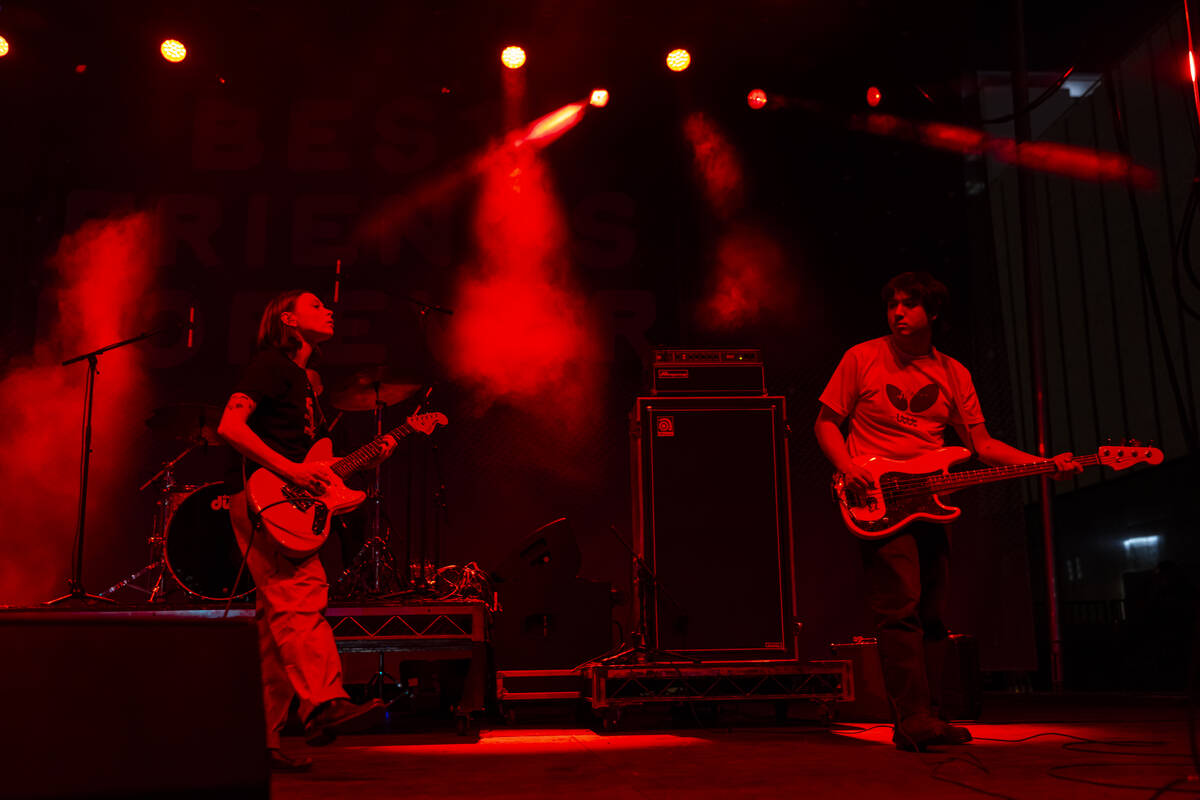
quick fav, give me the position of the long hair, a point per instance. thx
(271, 330)
(927, 290)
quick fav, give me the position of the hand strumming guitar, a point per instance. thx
(310, 477)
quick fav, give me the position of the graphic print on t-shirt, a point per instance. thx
(922, 401)
(896, 405)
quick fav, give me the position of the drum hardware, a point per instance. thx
(372, 571)
(196, 424)
(164, 507)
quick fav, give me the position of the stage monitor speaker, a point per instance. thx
(712, 519)
(110, 705)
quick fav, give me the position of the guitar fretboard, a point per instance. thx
(926, 484)
(344, 467)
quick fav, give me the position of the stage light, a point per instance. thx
(173, 51)
(756, 99)
(599, 98)
(678, 60)
(80, 69)
(513, 57)
(1192, 64)
(3, 47)
(874, 96)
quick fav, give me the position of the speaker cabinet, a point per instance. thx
(123, 705)
(712, 519)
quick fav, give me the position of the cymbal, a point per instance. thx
(363, 389)
(189, 422)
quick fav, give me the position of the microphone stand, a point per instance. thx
(78, 596)
(638, 651)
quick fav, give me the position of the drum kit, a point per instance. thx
(192, 544)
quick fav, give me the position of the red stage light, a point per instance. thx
(3, 47)
(678, 60)
(513, 57)
(173, 50)
(599, 98)
(756, 99)
(874, 96)
(1192, 65)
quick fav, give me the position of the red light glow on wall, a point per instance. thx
(717, 164)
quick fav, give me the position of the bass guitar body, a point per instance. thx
(296, 519)
(884, 509)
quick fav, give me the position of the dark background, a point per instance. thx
(847, 210)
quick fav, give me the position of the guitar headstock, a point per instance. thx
(425, 423)
(1123, 456)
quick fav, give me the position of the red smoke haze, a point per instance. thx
(716, 163)
(102, 272)
(749, 282)
(522, 333)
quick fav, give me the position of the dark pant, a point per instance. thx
(907, 577)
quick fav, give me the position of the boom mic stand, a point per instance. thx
(637, 651)
(78, 596)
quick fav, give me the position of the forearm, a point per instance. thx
(832, 444)
(241, 438)
(996, 453)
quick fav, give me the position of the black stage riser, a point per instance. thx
(108, 706)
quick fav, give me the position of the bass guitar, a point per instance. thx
(299, 520)
(906, 490)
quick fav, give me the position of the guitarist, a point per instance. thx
(897, 394)
(272, 419)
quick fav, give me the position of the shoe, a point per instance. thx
(282, 762)
(920, 734)
(339, 716)
(954, 734)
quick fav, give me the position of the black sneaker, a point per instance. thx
(282, 762)
(336, 717)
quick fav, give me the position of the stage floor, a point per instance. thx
(1134, 742)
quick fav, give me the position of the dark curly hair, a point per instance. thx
(927, 290)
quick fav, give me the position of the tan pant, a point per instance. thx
(299, 656)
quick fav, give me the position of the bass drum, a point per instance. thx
(202, 552)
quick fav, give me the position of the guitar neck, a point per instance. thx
(975, 477)
(345, 467)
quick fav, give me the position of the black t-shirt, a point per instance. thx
(287, 415)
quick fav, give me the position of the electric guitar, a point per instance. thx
(906, 490)
(299, 520)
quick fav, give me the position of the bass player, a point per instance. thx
(272, 419)
(897, 393)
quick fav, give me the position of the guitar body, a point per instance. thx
(875, 515)
(297, 520)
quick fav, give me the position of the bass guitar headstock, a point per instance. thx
(426, 423)
(1123, 456)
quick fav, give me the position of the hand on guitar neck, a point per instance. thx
(879, 496)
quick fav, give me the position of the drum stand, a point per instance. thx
(158, 537)
(373, 568)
